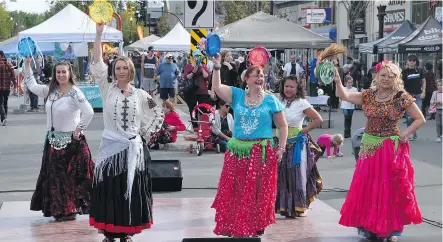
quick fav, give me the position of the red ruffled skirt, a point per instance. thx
(381, 199)
(246, 195)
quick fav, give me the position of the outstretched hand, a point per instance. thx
(216, 59)
(100, 28)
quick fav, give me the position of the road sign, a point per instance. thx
(196, 36)
(199, 14)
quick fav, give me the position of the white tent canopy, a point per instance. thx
(262, 29)
(142, 44)
(178, 39)
(70, 25)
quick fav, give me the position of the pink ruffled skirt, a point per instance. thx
(381, 199)
(246, 193)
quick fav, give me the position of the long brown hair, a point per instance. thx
(54, 83)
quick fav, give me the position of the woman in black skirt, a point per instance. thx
(64, 184)
(121, 201)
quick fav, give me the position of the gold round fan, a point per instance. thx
(101, 11)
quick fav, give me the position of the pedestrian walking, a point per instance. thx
(247, 188)
(121, 200)
(381, 199)
(7, 79)
(436, 105)
(299, 181)
(415, 84)
(64, 183)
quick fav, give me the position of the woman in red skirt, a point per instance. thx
(64, 184)
(248, 184)
(381, 199)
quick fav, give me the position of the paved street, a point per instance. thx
(20, 159)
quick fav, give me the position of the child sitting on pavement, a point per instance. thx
(168, 133)
(327, 141)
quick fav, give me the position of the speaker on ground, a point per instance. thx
(166, 175)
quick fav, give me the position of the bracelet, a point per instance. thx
(282, 148)
(218, 67)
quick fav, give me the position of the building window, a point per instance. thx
(420, 11)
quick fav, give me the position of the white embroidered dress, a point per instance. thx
(63, 114)
(123, 117)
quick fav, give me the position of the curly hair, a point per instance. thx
(300, 87)
(392, 69)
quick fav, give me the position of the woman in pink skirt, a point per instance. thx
(381, 199)
(248, 184)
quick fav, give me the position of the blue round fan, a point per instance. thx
(213, 44)
(27, 47)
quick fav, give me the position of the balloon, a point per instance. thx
(27, 47)
(213, 44)
(259, 56)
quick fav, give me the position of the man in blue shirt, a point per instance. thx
(168, 72)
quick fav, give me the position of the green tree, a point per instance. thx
(130, 34)
(22, 20)
(58, 5)
(5, 22)
(236, 10)
(163, 23)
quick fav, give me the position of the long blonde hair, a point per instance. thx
(392, 68)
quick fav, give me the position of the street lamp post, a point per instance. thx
(381, 22)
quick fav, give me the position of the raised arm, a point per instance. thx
(223, 92)
(352, 97)
(99, 69)
(31, 83)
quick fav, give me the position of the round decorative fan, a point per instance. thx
(326, 72)
(259, 56)
(213, 44)
(27, 47)
(101, 11)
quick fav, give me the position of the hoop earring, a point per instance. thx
(247, 89)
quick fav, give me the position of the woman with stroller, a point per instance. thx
(299, 181)
(246, 192)
(381, 199)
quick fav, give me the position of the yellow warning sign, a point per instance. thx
(196, 36)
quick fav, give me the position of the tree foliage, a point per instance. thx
(163, 23)
(22, 20)
(236, 10)
(5, 23)
(356, 12)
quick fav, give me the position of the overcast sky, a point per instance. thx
(29, 6)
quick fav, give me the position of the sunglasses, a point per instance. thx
(226, 105)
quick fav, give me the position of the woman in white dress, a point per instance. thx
(121, 201)
(299, 181)
(64, 184)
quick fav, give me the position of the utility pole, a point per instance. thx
(271, 7)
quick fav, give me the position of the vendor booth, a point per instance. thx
(262, 29)
(143, 44)
(178, 39)
(71, 25)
